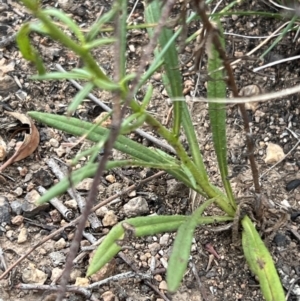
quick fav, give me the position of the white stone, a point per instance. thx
(136, 206)
(22, 237)
(33, 275)
(110, 219)
(60, 244)
(53, 142)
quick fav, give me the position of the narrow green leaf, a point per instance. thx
(89, 170)
(126, 78)
(107, 250)
(167, 42)
(33, 5)
(99, 42)
(62, 75)
(121, 41)
(147, 98)
(131, 124)
(28, 52)
(189, 175)
(97, 26)
(282, 34)
(136, 150)
(106, 85)
(182, 247)
(66, 20)
(80, 96)
(171, 64)
(260, 262)
(137, 227)
(216, 88)
(39, 27)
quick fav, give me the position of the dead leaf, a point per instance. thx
(274, 153)
(28, 145)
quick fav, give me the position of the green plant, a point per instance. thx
(187, 168)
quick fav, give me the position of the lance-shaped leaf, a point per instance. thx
(182, 248)
(260, 262)
(135, 150)
(137, 227)
(216, 88)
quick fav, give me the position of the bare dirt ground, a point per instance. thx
(224, 278)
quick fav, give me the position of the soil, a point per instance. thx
(225, 278)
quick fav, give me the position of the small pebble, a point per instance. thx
(157, 76)
(33, 275)
(57, 258)
(16, 207)
(163, 285)
(3, 149)
(285, 203)
(132, 194)
(60, 151)
(23, 171)
(17, 220)
(55, 216)
(108, 296)
(32, 196)
(136, 206)
(101, 211)
(110, 178)
(274, 153)
(4, 210)
(86, 184)
(56, 273)
(280, 240)
(158, 278)
(65, 4)
(110, 219)
(60, 244)
(72, 204)
(82, 281)
(154, 248)
(18, 191)
(10, 235)
(53, 142)
(23, 235)
(75, 274)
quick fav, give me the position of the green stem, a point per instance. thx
(57, 34)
